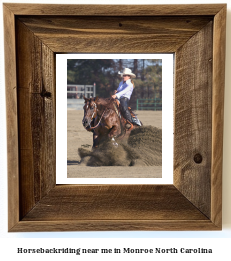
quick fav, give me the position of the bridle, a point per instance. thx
(95, 107)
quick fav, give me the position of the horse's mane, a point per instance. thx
(106, 103)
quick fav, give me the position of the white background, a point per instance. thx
(218, 240)
(167, 120)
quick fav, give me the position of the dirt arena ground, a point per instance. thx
(78, 137)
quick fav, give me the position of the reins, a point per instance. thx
(118, 114)
(99, 121)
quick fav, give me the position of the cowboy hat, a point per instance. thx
(127, 71)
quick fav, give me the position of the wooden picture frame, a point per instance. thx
(33, 34)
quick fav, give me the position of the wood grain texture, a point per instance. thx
(92, 34)
(108, 202)
(114, 225)
(195, 202)
(114, 207)
(218, 114)
(193, 126)
(114, 10)
(12, 122)
(35, 66)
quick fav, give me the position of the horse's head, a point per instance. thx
(90, 111)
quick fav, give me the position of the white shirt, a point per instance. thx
(125, 89)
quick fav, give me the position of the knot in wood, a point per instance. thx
(198, 158)
(45, 94)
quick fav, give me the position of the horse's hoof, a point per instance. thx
(114, 142)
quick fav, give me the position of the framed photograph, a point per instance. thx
(132, 156)
(35, 36)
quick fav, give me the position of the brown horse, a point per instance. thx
(102, 117)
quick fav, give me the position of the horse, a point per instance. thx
(102, 117)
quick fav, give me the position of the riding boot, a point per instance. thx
(128, 116)
(136, 121)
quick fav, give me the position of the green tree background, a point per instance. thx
(104, 73)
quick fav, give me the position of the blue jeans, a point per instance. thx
(124, 108)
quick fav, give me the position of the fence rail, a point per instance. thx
(76, 91)
(149, 104)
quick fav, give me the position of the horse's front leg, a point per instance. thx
(96, 140)
(115, 131)
(96, 133)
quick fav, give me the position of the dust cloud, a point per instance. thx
(142, 148)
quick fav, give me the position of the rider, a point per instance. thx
(124, 92)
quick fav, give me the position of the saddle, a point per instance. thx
(135, 120)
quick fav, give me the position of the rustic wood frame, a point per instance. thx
(33, 34)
